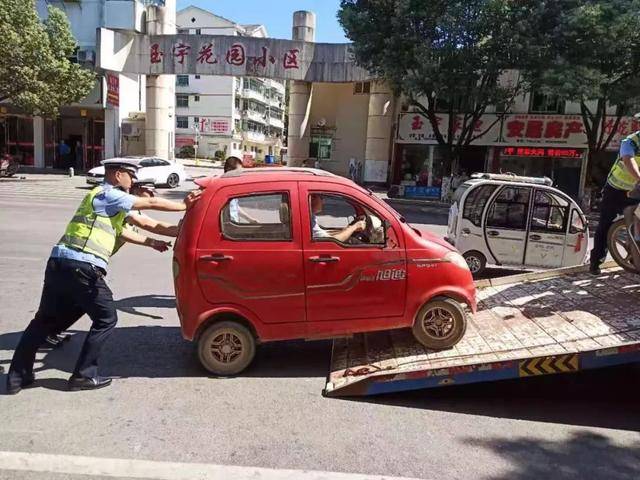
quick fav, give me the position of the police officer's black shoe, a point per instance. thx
(595, 270)
(14, 387)
(82, 383)
(55, 340)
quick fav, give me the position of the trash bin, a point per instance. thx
(269, 159)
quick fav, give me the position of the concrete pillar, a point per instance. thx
(111, 133)
(300, 96)
(38, 142)
(583, 174)
(379, 126)
(159, 130)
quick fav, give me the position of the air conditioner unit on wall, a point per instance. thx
(131, 129)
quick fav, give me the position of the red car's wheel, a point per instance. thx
(440, 323)
(226, 348)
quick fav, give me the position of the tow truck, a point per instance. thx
(541, 323)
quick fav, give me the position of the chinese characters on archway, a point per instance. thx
(235, 55)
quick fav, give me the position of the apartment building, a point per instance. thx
(226, 116)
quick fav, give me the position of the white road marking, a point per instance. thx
(152, 470)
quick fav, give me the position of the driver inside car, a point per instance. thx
(341, 235)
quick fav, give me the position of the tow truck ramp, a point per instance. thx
(560, 321)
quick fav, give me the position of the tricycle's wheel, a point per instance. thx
(440, 324)
(619, 244)
(226, 348)
(475, 261)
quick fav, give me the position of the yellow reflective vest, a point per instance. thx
(91, 233)
(619, 177)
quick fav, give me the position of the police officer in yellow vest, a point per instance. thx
(74, 278)
(622, 178)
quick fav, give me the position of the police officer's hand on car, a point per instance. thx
(192, 198)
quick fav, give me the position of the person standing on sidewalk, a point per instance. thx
(622, 178)
(74, 281)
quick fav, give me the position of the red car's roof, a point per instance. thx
(274, 174)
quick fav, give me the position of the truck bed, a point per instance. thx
(552, 322)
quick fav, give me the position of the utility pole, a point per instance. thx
(196, 137)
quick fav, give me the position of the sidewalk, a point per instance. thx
(422, 204)
(202, 163)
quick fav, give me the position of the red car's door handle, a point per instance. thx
(324, 259)
(217, 257)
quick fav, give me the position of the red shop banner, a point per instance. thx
(113, 90)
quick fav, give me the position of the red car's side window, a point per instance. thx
(261, 217)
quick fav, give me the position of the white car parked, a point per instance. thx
(151, 170)
(516, 221)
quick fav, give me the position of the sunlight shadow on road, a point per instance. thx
(585, 455)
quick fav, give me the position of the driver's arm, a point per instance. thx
(345, 233)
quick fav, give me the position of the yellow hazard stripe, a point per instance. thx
(549, 365)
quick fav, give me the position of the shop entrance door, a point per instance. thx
(567, 180)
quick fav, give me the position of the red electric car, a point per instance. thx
(290, 253)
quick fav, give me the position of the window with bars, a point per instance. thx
(182, 100)
(541, 103)
(182, 122)
(361, 88)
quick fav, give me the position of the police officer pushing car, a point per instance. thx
(74, 281)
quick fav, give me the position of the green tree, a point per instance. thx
(36, 73)
(453, 51)
(595, 61)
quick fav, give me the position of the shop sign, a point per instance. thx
(113, 90)
(184, 142)
(218, 126)
(422, 192)
(566, 130)
(416, 128)
(627, 126)
(541, 152)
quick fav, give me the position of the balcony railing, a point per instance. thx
(252, 136)
(254, 116)
(254, 95)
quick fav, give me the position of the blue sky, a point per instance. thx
(276, 15)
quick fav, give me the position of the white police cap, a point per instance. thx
(122, 164)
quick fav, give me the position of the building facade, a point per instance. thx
(91, 128)
(362, 131)
(223, 116)
(539, 136)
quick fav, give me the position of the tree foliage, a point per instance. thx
(452, 50)
(36, 74)
(595, 61)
